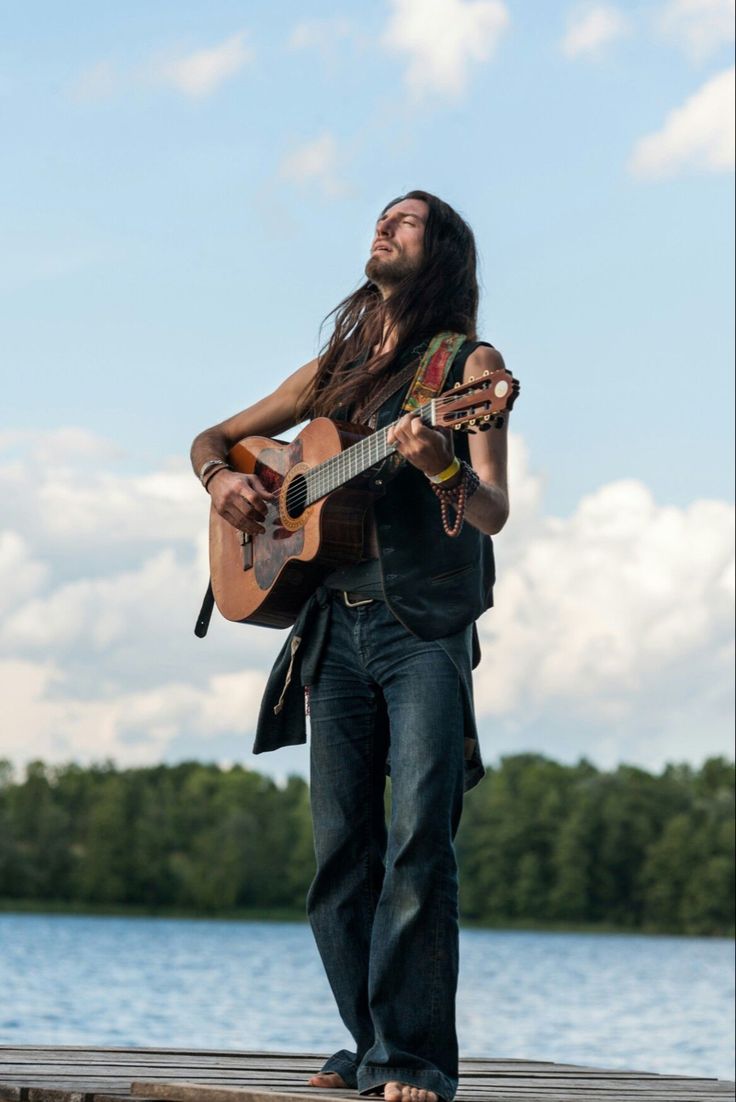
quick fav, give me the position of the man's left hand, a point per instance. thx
(430, 450)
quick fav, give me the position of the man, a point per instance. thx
(392, 685)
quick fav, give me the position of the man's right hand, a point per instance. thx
(240, 499)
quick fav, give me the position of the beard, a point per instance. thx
(389, 271)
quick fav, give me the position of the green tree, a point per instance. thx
(538, 841)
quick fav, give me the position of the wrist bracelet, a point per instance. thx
(456, 497)
(447, 474)
(213, 471)
(210, 466)
(472, 480)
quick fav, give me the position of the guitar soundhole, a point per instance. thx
(296, 496)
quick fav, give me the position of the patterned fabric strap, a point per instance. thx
(433, 369)
(428, 381)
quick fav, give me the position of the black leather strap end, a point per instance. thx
(205, 613)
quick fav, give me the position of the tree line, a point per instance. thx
(539, 843)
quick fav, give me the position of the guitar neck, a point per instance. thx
(341, 468)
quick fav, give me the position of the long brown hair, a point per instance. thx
(442, 294)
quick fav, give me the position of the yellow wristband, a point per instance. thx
(446, 475)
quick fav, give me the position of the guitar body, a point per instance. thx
(267, 578)
(316, 524)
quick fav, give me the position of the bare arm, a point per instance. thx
(488, 508)
(270, 416)
(239, 498)
(431, 451)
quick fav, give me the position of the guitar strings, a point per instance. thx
(332, 472)
(318, 481)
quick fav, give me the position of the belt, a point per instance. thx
(353, 599)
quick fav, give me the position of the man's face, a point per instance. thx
(398, 243)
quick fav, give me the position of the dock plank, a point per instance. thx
(42, 1073)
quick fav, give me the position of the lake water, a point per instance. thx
(647, 1003)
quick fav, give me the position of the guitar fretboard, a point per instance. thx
(339, 469)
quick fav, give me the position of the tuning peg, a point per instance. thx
(484, 426)
(499, 421)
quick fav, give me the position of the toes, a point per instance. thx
(405, 1092)
(327, 1079)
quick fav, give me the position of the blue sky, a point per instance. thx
(188, 190)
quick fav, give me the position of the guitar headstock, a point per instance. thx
(478, 404)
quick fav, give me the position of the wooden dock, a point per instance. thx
(32, 1073)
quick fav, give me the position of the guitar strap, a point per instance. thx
(429, 378)
(366, 414)
(433, 369)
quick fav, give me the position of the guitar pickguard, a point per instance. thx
(278, 544)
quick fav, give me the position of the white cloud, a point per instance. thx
(616, 619)
(196, 74)
(316, 162)
(110, 568)
(442, 39)
(700, 27)
(99, 611)
(129, 727)
(21, 576)
(698, 135)
(611, 633)
(99, 597)
(202, 72)
(591, 28)
(69, 443)
(81, 503)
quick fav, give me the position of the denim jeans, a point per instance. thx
(383, 903)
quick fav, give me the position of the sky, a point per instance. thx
(187, 192)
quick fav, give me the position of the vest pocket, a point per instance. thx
(454, 573)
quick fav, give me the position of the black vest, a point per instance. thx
(434, 584)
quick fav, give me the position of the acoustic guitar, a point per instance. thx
(325, 479)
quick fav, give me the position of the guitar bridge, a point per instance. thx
(246, 543)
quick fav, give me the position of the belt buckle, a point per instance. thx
(354, 604)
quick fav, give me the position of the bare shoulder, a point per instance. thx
(482, 359)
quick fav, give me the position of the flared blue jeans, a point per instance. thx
(383, 904)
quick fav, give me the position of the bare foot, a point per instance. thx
(405, 1092)
(328, 1079)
